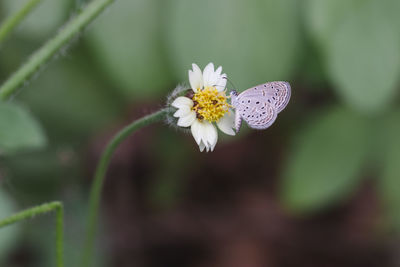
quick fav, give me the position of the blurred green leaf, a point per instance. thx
(322, 17)
(127, 42)
(326, 160)
(19, 130)
(38, 177)
(255, 40)
(390, 180)
(8, 234)
(71, 101)
(364, 58)
(42, 21)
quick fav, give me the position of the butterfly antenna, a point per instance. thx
(234, 87)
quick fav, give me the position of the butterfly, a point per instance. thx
(259, 106)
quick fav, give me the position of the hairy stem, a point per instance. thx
(38, 210)
(41, 56)
(97, 185)
(12, 21)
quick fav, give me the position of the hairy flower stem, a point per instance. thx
(97, 185)
(12, 21)
(45, 53)
(38, 210)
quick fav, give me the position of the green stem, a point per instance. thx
(45, 53)
(44, 208)
(97, 185)
(11, 22)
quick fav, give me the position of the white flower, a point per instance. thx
(207, 106)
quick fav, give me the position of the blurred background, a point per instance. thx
(321, 187)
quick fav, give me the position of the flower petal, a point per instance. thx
(216, 139)
(187, 120)
(196, 78)
(201, 146)
(227, 122)
(209, 78)
(218, 70)
(197, 131)
(210, 134)
(182, 111)
(220, 83)
(182, 101)
(205, 134)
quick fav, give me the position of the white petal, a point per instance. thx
(216, 139)
(197, 131)
(227, 122)
(209, 78)
(220, 83)
(182, 101)
(201, 146)
(187, 120)
(210, 134)
(182, 111)
(218, 70)
(196, 78)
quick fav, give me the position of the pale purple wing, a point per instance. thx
(238, 120)
(256, 111)
(276, 93)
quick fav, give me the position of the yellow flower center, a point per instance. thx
(210, 104)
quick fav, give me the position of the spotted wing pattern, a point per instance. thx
(260, 105)
(276, 93)
(258, 113)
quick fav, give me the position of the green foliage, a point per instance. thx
(139, 48)
(325, 163)
(255, 41)
(19, 130)
(83, 98)
(42, 21)
(130, 53)
(390, 179)
(364, 59)
(323, 17)
(361, 45)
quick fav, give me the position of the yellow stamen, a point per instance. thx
(210, 104)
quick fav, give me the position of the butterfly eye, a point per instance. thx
(233, 92)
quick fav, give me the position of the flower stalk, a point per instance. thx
(97, 184)
(39, 210)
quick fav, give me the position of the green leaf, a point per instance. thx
(322, 17)
(71, 101)
(326, 160)
(364, 58)
(8, 234)
(255, 41)
(389, 182)
(126, 41)
(18, 130)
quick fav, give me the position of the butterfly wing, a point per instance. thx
(275, 93)
(258, 113)
(238, 120)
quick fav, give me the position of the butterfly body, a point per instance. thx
(260, 105)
